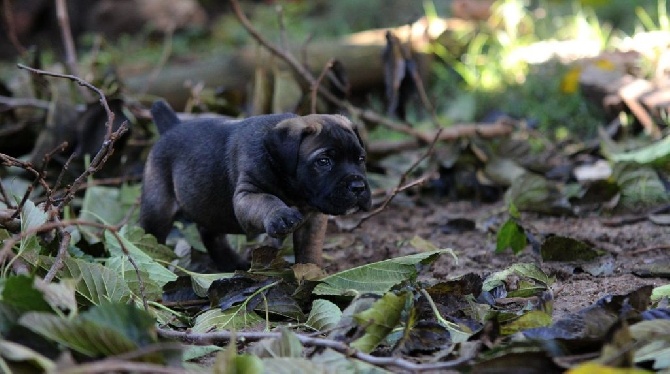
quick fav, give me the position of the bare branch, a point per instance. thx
(68, 42)
(315, 87)
(221, 337)
(403, 178)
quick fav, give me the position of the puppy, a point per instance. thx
(277, 174)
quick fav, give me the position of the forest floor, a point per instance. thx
(631, 248)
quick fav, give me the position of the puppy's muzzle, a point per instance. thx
(357, 186)
(360, 191)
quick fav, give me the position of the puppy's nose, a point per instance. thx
(357, 186)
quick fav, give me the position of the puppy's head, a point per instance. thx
(324, 157)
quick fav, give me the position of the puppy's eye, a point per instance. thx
(323, 161)
(361, 159)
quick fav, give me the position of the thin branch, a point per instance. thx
(304, 73)
(5, 197)
(6, 251)
(17, 102)
(68, 43)
(81, 82)
(117, 366)
(110, 138)
(401, 182)
(60, 257)
(396, 362)
(315, 87)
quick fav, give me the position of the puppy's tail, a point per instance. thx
(164, 117)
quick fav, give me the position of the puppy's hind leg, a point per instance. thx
(224, 256)
(158, 205)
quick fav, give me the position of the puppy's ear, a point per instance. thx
(164, 117)
(283, 144)
(283, 141)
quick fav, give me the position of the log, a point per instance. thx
(360, 53)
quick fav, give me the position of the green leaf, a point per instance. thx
(379, 320)
(192, 352)
(79, 335)
(147, 243)
(287, 345)
(101, 204)
(236, 318)
(528, 320)
(32, 216)
(133, 323)
(531, 271)
(533, 193)
(18, 352)
(20, 294)
(654, 335)
(290, 365)
(96, 282)
(107, 329)
(514, 211)
(122, 266)
(324, 315)
(655, 154)
(563, 248)
(511, 235)
(153, 272)
(202, 282)
(640, 187)
(378, 277)
(660, 292)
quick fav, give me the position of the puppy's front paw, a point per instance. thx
(282, 222)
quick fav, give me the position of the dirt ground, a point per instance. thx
(632, 247)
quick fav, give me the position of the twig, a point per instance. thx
(17, 102)
(397, 362)
(60, 257)
(5, 197)
(110, 137)
(304, 73)
(282, 26)
(81, 82)
(315, 87)
(11, 27)
(59, 180)
(6, 250)
(118, 366)
(68, 43)
(27, 166)
(401, 183)
(45, 162)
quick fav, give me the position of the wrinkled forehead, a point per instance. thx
(315, 123)
(331, 132)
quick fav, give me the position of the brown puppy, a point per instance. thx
(277, 174)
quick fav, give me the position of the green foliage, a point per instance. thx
(377, 277)
(379, 320)
(511, 235)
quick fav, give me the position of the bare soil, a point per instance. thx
(633, 247)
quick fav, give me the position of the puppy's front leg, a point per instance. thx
(260, 212)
